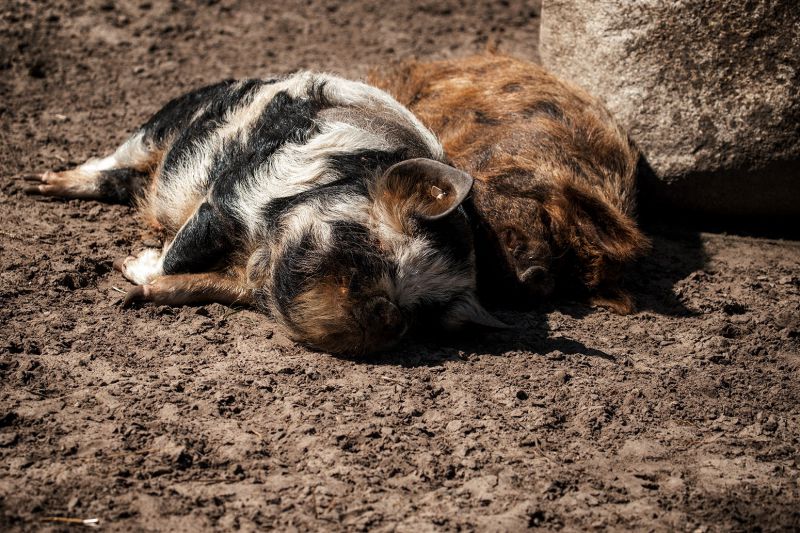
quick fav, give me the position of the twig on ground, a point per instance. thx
(90, 522)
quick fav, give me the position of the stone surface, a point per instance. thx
(709, 90)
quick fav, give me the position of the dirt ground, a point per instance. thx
(683, 416)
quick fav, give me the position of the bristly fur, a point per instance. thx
(554, 195)
(286, 193)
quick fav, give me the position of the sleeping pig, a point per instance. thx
(554, 195)
(320, 200)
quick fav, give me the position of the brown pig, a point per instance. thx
(554, 193)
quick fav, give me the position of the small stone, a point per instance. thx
(180, 457)
(73, 504)
(522, 395)
(453, 425)
(562, 376)
(8, 439)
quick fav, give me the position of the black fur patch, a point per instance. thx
(284, 120)
(337, 191)
(121, 185)
(364, 165)
(175, 115)
(354, 255)
(218, 103)
(548, 109)
(451, 236)
(201, 244)
(483, 118)
(291, 273)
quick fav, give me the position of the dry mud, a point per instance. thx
(685, 415)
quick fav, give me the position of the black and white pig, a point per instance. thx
(322, 201)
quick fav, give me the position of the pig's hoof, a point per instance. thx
(69, 184)
(141, 269)
(140, 293)
(37, 183)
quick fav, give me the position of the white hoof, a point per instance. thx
(143, 268)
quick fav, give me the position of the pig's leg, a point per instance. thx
(185, 289)
(615, 300)
(202, 244)
(118, 178)
(124, 175)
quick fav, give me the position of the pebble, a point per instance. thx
(454, 426)
(7, 439)
(73, 503)
(562, 376)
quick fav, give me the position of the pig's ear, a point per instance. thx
(421, 188)
(597, 228)
(468, 311)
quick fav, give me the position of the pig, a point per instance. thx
(555, 176)
(319, 200)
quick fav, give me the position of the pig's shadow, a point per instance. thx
(676, 253)
(528, 333)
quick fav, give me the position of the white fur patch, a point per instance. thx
(143, 268)
(297, 168)
(131, 153)
(188, 181)
(357, 94)
(316, 218)
(425, 275)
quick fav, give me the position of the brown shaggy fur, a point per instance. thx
(554, 174)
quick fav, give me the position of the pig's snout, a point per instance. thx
(382, 321)
(537, 279)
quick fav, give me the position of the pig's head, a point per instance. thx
(357, 263)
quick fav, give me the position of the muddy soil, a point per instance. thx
(683, 416)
